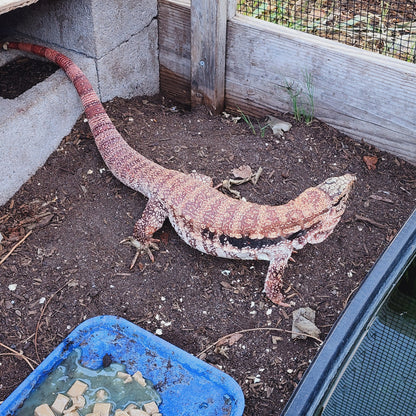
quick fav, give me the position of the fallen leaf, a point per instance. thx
(304, 323)
(242, 172)
(226, 285)
(164, 237)
(231, 340)
(371, 162)
(278, 126)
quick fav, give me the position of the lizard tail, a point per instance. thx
(110, 143)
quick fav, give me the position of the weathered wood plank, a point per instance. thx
(175, 86)
(232, 8)
(208, 39)
(364, 95)
(175, 50)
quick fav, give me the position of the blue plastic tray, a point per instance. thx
(187, 385)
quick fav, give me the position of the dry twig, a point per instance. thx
(370, 221)
(252, 330)
(18, 354)
(41, 316)
(15, 247)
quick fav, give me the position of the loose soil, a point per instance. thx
(72, 266)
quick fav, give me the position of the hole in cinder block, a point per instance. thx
(23, 73)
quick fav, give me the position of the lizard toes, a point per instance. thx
(142, 247)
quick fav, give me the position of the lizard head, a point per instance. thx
(338, 189)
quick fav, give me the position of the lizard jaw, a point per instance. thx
(338, 189)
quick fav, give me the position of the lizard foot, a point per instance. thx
(141, 248)
(278, 300)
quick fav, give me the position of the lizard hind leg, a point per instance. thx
(152, 219)
(273, 284)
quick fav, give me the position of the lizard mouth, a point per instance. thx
(338, 189)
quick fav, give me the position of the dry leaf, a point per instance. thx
(371, 162)
(242, 172)
(164, 237)
(304, 323)
(278, 126)
(231, 340)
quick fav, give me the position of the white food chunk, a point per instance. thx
(77, 389)
(151, 408)
(60, 403)
(43, 410)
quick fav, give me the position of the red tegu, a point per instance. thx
(203, 217)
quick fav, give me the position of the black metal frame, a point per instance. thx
(351, 326)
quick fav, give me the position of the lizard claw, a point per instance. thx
(141, 247)
(278, 300)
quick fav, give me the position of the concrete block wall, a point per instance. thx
(113, 41)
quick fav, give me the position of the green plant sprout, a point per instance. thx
(302, 101)
(247, 120)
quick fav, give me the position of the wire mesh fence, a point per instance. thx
(386, 27)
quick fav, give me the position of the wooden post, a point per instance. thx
(232, 9)
(208, 37)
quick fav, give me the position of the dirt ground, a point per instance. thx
(74, 213)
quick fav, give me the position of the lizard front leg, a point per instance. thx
(273, 284)
(152, 219)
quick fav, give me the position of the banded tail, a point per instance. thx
(129, 166)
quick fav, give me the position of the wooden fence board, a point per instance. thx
(175, 50)
(208, 37)
(365, 95)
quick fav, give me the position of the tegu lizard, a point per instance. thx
(203, 217)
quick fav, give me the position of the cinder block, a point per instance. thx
(116, 21)
(33, 124)
(114, 42)
(132, 69)
(91, 27)
(67, 23)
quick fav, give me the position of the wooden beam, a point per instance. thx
(232, 8)
(175, 50)
(208, 45)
